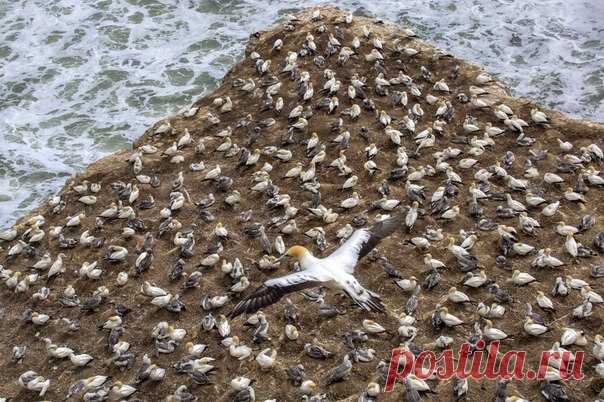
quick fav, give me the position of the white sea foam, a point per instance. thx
(82, 78)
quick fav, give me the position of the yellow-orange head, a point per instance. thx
(296, 251)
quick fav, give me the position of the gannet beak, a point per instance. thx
(283, 257)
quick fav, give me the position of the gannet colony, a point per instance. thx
(347, 190)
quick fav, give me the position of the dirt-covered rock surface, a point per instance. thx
(410, 129)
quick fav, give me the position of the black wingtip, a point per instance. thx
(260, 298)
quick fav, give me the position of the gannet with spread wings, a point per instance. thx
(334, 271)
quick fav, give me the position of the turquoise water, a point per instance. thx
(80, 79)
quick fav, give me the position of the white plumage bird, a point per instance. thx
(334, 271)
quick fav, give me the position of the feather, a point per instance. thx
(273, 290)
(362, 241)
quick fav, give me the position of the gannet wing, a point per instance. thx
(274, 289)
(361, 242)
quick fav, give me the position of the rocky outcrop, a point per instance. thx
(389, 61)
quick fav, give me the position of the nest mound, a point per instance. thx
(253, 121)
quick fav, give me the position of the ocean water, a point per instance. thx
(80, 79)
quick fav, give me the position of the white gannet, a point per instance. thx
(533, 328)
(372, 327)
(335, 271)
(538, 116)
(493, 334)
(449, 319)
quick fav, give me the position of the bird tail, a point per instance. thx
(375, 304)
(370, 301)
